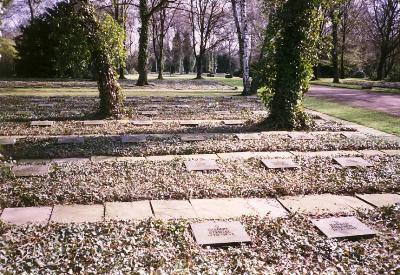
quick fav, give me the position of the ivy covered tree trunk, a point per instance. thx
(293, 62)
(111, 96)
(143, 43)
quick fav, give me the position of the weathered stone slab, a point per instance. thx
(343, 227)
(7, 141)
(173, 209)
(148, 113)
(133, 138)
(131, 159)
(222, 113)
(325, 203)
(271, 155)
(352, 162)
(189, 122)
(222, 208)
(380, 200)
(353, 135)
(192, 137)
(34, 161)
(199, 156)
(236, 155)
(279, 163)
(370, 153)
(70, 140)
(324, 154)
(43, 123)
(125, 211)
(103, 159)
(201, 165)
(252, 136)
(234, 122)
(301, 136)
(162, 158)
(267, 207)
(26, 215)
(392, 152)
(142, 122)
(219, 233)
(31, 170)
(77, 213)
(94, 122)
(70, 160)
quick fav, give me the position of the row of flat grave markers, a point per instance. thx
(224, 233)
(276, 163)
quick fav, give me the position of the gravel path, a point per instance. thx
(383, 102)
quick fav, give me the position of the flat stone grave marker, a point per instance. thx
(234, 122)
(218, 233)
(148, 113)
(142, 122)
(201, 165)
(380, 200)
(94, 122)
(352, 162)
(43, 123)
(124, 211)
(222, 112)
(77, 213)
(343, 227)
(30, 170)
(353, 135)
(70, 140)
(301, 136)
(192, 137)
(7, 141)
(26, 215)
(189, 123)
(279, 163)
(252, 136)
(173, 209)
(134, 138)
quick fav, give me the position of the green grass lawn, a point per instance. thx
(351, 83)
(373, 119)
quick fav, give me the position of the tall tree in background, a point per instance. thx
(161, 23)
(384, 17)
(291, 46)
(240, 16)
(335, 15)
(187, 52)
(145, 13)
(205, 18)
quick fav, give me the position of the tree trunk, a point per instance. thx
(246, 52)
(238, 32)
(199, 61)
(143, 43)
(335, 61)
(160, 64)
(343, 49)
(31, 11)
(381, 65)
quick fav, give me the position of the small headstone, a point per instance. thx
(343, 227)
(142, 122)
(192, 137)
(44, 123)
(201, 165)
(279, 163)
(134, 138)
(233, 122)
(30, 170)
(148, 113)
(94, 122)
(7, 141)
(70, 140)
(219, 233)
(253, 136)
(380, 200)
(301, 136)
(189, 123)
(353, 135)
(352, 162)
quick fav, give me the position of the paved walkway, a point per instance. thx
(213, 209)
(383, 102)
